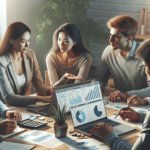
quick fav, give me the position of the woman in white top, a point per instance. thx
(19, 68)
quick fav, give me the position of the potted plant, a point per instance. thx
(60, 116)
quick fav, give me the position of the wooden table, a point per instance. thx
(140, 38)
(130, 137)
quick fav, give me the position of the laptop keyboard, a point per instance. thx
(112, 123)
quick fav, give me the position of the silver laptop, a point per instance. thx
(87, 108)
(47, 109)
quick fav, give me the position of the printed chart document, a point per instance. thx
(16, 131)
(120, 103)
(14, 146)
(87, 144)
(24, 116)
(127, 122)
(44, 138)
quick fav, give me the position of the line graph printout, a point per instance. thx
(78, 95)
(43, 138)
(35, 136)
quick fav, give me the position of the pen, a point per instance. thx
(12, 108)
(123, 109)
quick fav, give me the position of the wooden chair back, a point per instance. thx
(47, 82)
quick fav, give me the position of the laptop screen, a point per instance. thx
(84, 101)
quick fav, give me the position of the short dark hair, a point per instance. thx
(13, 31)
(143, 52)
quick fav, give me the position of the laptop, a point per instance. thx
(47, 109)
(87, 108)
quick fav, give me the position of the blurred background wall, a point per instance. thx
(102, 10)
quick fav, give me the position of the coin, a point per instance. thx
(41, 118)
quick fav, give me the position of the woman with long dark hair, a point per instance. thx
(19, 68)
(69, 59)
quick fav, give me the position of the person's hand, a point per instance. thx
(135, 99)
(13, 114)
(113, 96)
(45, 99)
(50, 92)
(102, 129)
(130, 114)
(71, 77)
(7, 126)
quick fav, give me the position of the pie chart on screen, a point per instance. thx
(97, 112)
(80, 116)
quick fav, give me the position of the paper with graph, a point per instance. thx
(44, 138)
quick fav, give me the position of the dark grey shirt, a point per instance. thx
(126, 73)
(142, 143)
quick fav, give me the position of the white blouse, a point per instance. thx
(21, 82)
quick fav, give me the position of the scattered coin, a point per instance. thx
(82, 135)
(49, 120)
(38, 115)
(74, 134)
(85, 137)
(41, 118)
(72, 131)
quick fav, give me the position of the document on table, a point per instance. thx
(16, 131)
(87, 144)
(120, 103)
(24, 116)
(14, 146)
(44, 138)
(127, 122)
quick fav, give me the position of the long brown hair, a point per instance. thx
(75, 35)
(13, 31)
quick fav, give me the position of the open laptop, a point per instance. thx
(87, 108)
(47, 110)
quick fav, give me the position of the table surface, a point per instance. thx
(140, 38)
(130, 137)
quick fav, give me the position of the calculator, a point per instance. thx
(28, 123)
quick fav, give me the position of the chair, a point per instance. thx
(47, 82)
(29, 90)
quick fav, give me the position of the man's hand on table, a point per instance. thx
(102, 129)
(130, 114)
(135, 99)
(115, 95)
(13, 114)
(7, 126)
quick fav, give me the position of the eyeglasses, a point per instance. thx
(116, 37)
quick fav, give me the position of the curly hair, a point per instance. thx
(125, 23)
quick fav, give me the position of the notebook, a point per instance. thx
(87, 108)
